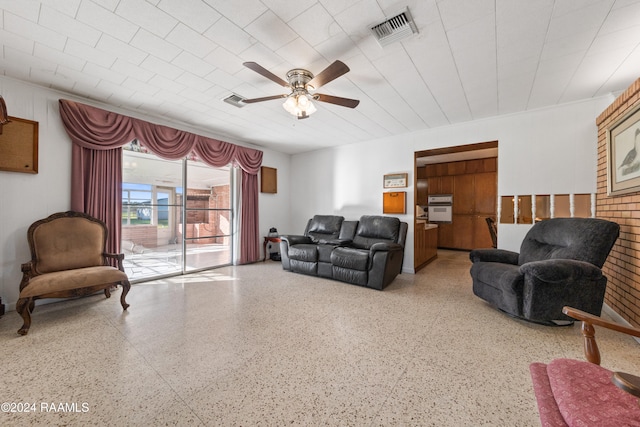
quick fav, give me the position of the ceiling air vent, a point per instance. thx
(235, 100)
(394, 29)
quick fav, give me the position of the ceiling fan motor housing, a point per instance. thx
(298, 79)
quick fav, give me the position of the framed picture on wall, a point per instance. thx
(395, 180)
(623, 154)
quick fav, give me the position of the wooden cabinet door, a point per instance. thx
(421, 192)
(445, 236)
(481, 235)
(485, 193)
(464, 196)
(463, 234)
(433, 185)
(446, 185)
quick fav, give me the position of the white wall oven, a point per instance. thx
(440, 208)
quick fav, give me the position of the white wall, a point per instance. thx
(25, 198)
(547, 151)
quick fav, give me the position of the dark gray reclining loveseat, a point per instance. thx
(367, 252)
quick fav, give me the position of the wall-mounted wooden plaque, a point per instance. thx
(394, 202)
(268, 180)
(19, 146)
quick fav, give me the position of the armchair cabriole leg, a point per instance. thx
(24, 306)
(125, 290)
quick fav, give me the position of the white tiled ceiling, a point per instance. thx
(179, 58)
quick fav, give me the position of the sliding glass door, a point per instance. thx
(171, 228)
(208, 217)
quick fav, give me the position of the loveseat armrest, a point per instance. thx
(560, 271)
(118, 257)
(383, 246)
(296, 239)
(494, 255)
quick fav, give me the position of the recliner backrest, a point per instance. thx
(324, 227)
(374, 229)
(582, 239)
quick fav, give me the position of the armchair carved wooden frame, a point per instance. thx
(68, 259)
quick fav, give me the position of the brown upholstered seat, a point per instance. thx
(68, 259)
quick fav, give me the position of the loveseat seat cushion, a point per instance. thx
(72, 279)
(304, 252)
(586, 397)
(353, 259)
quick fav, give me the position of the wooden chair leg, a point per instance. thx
(24, 306)
(591, 350)
(125, 290)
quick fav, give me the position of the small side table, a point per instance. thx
(268, 239)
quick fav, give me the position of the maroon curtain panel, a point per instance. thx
(98, 136)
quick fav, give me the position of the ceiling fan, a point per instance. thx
(300, 82)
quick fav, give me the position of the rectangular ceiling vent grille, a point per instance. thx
(394, 29)
(235, 100)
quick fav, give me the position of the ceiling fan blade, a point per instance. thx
(330, 73)
(266, 98)
(344, 102)
(265, 73)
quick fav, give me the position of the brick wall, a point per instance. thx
(207, 223)
(623, 265)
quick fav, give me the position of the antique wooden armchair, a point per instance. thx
(68, 259)
(577, 393)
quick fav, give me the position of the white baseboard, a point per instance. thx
(617, 318)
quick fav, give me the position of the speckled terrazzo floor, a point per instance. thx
(255, 345)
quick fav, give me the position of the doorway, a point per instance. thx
(469, 174)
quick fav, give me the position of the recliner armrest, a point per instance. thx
(381, 246)
(494, 255)
(296, 240)
(560, 270)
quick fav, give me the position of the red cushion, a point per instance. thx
(586, 396)
(550, 415)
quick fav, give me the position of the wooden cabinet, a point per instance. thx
(425, 245)
(440, 185)
(473, 184)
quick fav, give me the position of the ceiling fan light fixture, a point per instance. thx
(299, 105)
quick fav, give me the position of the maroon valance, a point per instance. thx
(98, 129)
